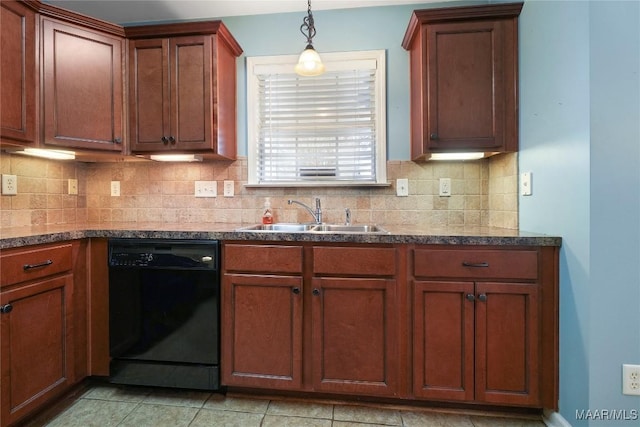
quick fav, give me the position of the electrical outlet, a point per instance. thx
(631, 379)
(9, 185)
(445, 187)
(228, 189)
(402, 187)
(72, 186)
(115, 188)
(206, 189)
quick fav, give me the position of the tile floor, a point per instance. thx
(105, 405)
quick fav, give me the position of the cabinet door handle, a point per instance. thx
(471, 297)
(118, 140)
(433, 136)
(296, 290)
(172, 140)
(6, 308)
(475, 264)
(316, 292)
(164, 140)
(482, 297)
(32, 266)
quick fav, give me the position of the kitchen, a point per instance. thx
(566, 101)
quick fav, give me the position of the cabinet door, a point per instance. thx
(470, 77)
(149, 94)
(262, 331)
(354, 342)
(37, 350)
(18, 74)
(443, 340)
(83, 91)
(191, 97)
(507, 343)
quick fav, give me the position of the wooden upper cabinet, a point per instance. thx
(464, 78)
(182, 82)
(82, 87)
(18, 73)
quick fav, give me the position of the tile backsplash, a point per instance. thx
(484, 193)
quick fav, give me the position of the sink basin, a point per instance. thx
(313, 228)
(340, 228)
(279, 227)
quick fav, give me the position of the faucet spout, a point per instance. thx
(317, 214)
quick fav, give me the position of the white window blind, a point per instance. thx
(323, 129)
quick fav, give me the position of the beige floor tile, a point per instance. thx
(159, 416)
(364, 414)
(210, 418)
(117, 393)
(285, 421)
(90, 413)
(422, 419)
(300, 409)
(238, 404)
(479, 421)
(194, 399)
(355, 424)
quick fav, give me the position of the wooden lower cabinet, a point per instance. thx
(37, 334)
(262, 331)
(476, 342)
(353, 336)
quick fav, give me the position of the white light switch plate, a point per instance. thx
(115, 188)
(444, 187)
(402, 187)
(525, 183)
(206, 189)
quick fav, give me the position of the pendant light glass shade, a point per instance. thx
(309, 63)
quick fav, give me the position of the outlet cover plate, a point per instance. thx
(72, 186)
(115, 188)
(402, 187)
(631, 380)
(206, 189)
(9, 185)
(228, 188)
(445, 187)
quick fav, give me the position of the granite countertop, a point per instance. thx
(23, 236)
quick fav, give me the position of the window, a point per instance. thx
(323, 130)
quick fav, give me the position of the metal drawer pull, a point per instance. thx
(6, 308)
(32, 266)
(475, 264)
(296, 290)
(471, 297)
(482, 297)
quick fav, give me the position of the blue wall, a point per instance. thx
(579, 135)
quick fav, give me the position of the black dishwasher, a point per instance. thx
(164, 313)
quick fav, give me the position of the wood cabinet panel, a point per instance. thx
(21, 265)
(353, 332)
(37, 345)
(18, 73)
(354, 261)
(476, 263)
(262, 331)
(507, 343)
(82, 87)
(464, 79)
(443, 341)
(262, 258)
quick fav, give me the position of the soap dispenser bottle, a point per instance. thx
(267, 213)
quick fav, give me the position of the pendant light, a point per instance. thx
(309, 63)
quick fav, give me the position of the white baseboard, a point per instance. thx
(554, 419)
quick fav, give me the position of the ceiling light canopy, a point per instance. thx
(309, 63)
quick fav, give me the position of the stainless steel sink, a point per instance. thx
(314, 228)
(340, 228)
(279, 227)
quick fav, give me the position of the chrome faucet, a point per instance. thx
(317, 215)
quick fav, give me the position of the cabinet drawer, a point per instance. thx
(476, 264)
(22, 265)
(354, 261)
(262, 258)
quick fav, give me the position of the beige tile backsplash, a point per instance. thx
(484, 193)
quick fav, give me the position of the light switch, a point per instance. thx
(402, 187)
(525, 183)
